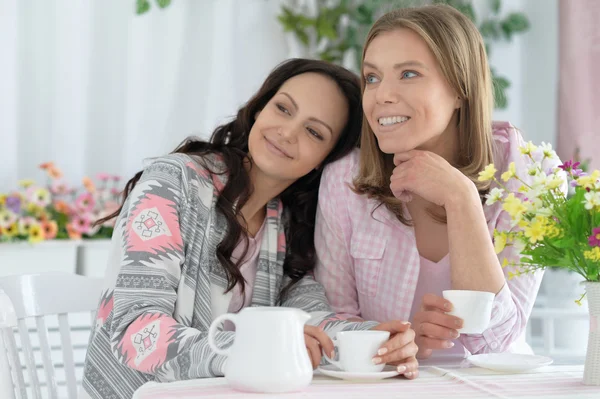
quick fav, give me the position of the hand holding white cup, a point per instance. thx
(473, 307)
(356, 350)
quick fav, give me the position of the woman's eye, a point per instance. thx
(370, 79)
(282, 109)
(314, 133)
(409, 74)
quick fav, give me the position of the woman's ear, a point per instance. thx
(458, 103)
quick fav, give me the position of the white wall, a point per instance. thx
(97, 89)
(530, 62)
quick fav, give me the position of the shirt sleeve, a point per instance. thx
(144, 334)
(335, 270)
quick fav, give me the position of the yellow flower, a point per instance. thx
(536, 230)
(592, 254)
(25, 224)
(528, 149)
(26, 183)
(41, 197)
(34, 209)
(554, 182)
(10, 231)
(589, 180)
(488, 173)
(36, 233)
(7, 218)
(592, 200)
(3, 198)
(510, 173)
(514, 207)
(500, 241)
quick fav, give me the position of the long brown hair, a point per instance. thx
(460, 51)
(230, 141)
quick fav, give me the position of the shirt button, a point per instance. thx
(494, 345)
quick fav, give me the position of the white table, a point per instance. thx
(450, 379)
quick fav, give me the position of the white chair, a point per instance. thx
(27, 301)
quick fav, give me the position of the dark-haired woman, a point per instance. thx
(220, 225)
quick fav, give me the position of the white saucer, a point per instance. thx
(332, 371)
(509, 362)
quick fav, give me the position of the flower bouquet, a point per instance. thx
(55, 210)
(553, 229)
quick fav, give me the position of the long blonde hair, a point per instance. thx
(459, 50)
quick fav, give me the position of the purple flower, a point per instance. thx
(577, 172)
(567, 166)
(14, 204)
(594, 239)
(574, 183)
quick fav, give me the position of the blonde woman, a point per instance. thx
(403, 219)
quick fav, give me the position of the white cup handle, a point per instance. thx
(334, 362)
(213, 330)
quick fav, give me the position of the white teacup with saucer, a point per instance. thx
(356, 350)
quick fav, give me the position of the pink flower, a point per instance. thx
(115, 191)
(594, 239)
(103, 177)
(85, 202)
(116, 179)
(81, 224)
(59, 187)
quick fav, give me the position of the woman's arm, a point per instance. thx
(144, 334)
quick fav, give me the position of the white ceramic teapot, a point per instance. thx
(268, 353)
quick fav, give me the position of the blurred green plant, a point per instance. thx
(143, 6)
(342, 26)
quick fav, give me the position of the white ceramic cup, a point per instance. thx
(474, 307)
(356, 350)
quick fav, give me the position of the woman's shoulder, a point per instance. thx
(189, 171)
(342, 171)
(508, 142)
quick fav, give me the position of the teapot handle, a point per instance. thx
(213, 330)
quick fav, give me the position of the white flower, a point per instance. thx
(592, 200)
(533, 169)
(539, 181)
(494, 196)
(548, 152)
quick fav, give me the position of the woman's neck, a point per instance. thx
(264, 189)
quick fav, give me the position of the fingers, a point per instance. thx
(431, 301)
(437, 331)
(314, 350)
(404, 156)
(398, 341)
(394, 326)
(409, 368)
(433, 343)
(322, 338)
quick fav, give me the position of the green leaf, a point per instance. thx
(500, 85)
(490, 29)
(495, 6)
(326, 28)
(515, 22)
(364, 14)
(142, 6)
(468, 10)
(163, 3)
(303, 37)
